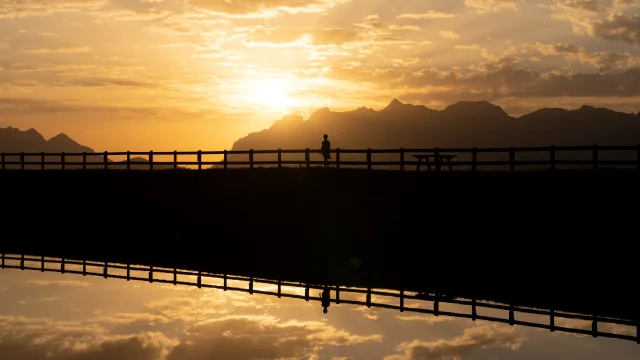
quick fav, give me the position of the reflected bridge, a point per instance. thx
(402, 301)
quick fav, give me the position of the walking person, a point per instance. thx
(326, 299)
(325, 150)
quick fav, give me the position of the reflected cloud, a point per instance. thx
(472, 340)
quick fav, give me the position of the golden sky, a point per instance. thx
(70, 317)
(198, 74)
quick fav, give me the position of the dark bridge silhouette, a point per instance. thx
(551, 157)
(420, 302)
(557, 241)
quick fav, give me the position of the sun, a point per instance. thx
(271, 93)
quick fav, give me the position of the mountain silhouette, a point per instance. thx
(31, 141)
(463, 124)
(14, 140)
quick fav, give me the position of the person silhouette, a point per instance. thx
(326, 299)
(325, 150)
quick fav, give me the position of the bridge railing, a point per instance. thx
(551, 157)
(396, 300)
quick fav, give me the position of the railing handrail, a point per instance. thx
(335, 150)
(400, 295)
(103, 160)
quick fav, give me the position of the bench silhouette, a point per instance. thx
(437, 160)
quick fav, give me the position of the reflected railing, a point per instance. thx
(371, 298)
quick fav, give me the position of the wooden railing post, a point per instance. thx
(637, 157)
(474, 311)
(3, 168)
(595, 157)
(279, 158)
(512, 317)
(128, 160)
(199, 159)
(225, 159)
(402, 159)
(279, 289)
(42, 161)
(436, 158)
(62, 160)
(512, 159)
(369, 159)
(338, 158)
(306, 158)
(175, 160)
(552, 321)
(150, 159)
(251, 158)
(552, 157)
(106, 160)
(474, 159)
(21, 161)
(84, 160)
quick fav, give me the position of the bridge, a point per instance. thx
(556, 241)
(396, 300)
(530, 158)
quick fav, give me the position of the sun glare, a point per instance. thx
(271, 93)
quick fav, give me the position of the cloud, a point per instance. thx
(24, 8)
(131, 14)
(261, 337)
(40, 339)
(131, 319)
(591, 6)
(467, 47)
(488, 81)
(603, 61)
(429, 319)
(427, 15)
(66, 50)
(291, 36)
(59, 283)
(404, 27)
(405, 61)
(28, 106)
(618, 27)
(448, 34)
(229, 337)
(472, 339)
(262, 8)
(482, 6)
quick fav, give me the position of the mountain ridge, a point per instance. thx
(461, 124)
(31, 141)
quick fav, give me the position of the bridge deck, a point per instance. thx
(558, 241)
